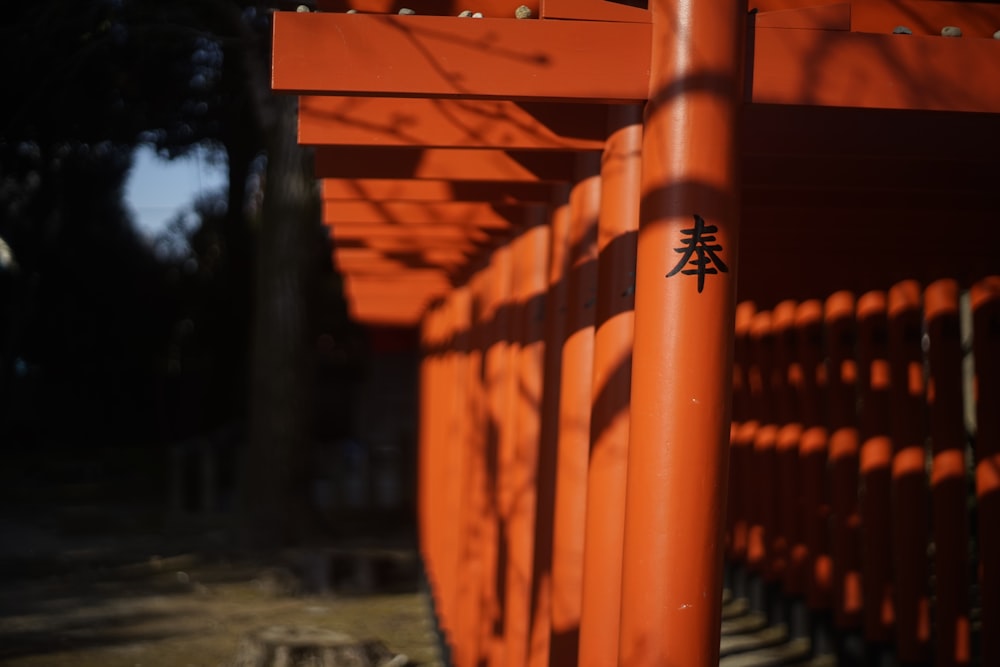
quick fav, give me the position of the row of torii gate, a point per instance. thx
(661, 251)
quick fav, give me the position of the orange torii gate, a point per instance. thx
(563, 204)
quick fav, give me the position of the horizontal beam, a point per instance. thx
(976, 19)
(877, 71)
(430, 233)
(428, 190)
(454, 213)
(492, 8)
(429, 123)
(594, 10)
(444, 164)
(442, 56)
(349, 260)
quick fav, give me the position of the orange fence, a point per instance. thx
(864, 484)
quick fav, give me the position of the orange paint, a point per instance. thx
(909, 483)
(682, 363)
(612, 370)
(876, 462)
(949, 486)
(986, 348)
(574, 415)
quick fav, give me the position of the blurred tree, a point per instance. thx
(97, 77)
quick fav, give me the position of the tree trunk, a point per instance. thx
(275, 493)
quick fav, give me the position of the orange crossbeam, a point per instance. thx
(443, 164)
(430, 123)
(457, 213)
(492, 8)
(851, 69)
(388, 189)
(443, 56)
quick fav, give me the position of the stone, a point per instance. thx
(523, 12)
(951, 31)
(406, 11)
(901, 30)
(467, 14)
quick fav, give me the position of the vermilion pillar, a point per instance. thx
(682, 365)
(574, 415)
(555, 334)
(949, 488)
(474, 510)
(839, 318)
(497, 382)
(612, 373)
(458, 375)
(433, 405)
(531, 261)
(813, 456)
(986, 349)
(909, 484)
(876, 463)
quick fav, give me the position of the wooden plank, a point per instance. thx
(847, 69)
(429, 190)
(433, 56)
(443, 164)
(358, 121)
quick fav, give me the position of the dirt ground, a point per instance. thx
(126, 600)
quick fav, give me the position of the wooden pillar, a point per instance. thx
(839, 318)
(767, 552)
(876, 462)
(574, 414)
(910, 509)
(684, 312)
(458, 375)
(815, 478)
(790, 486)
(429, 454)
(473, 511)
(531, 275)
(498, 379)
(949, 486)
(555, 334)
(612, 374)
(743, 431)
(986, 349)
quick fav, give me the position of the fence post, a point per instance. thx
(986, 348)
(684, 311)
(811, 384)
(844, 456)
(949, 487)
(910, 509)
(876, 461)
